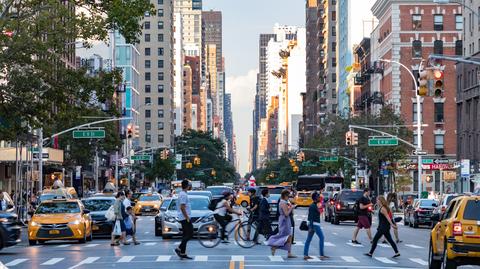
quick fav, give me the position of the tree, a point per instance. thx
(39, 87)
(161, 168)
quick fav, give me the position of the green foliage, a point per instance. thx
(161, 168)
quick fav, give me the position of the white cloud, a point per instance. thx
(243, 92)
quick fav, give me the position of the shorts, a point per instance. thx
(130, 232)
(122, 225)
(363, 222)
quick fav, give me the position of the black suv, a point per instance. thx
(345, 206)
(9, 229)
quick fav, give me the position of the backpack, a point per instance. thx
(213, 204)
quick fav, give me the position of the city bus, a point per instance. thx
(317, 182)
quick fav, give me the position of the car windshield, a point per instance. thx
(149, 198)
(165, 204)
(195, 204)
(427, 203)
(201, 193)
(351, 195)
(218, 190)
(98, 204)
(450, 198)
(58, 208)
(471, 210)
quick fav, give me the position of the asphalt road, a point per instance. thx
(157, 253)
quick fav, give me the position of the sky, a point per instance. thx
(243, 22)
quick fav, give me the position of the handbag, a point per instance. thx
(117, 229)
(110, 214)
(303, 226)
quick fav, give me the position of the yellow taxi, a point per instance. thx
(148, 204)
(455, 239)
(243, 199)
(303, 198)
(60, 219)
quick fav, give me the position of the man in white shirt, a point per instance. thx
(183, 215)
(128, 196)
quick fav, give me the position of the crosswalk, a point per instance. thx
(415, 262)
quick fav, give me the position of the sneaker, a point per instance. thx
(184, 256)
(356, 242)
(396, 255)
(225, 241)
(368, 254)
(179, 253)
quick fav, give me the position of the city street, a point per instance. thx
(156, 253)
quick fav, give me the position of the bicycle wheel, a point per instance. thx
(246, 235)
(209, 235)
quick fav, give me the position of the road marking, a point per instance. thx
(241, 265)
(201, 258)
(88, 260)
(126, 259)
(276, 258)
(91, 245)
(384, 260)
(329, 244)
(150, 244)
(384, 245)
(354, 245)
(146, 232)
(232, 265)
(349, 259)
(15, 262)
(237, 258)
(176, 243)
(413, 246)
(163, 258)
(53, 261)
(63, 246)
(419, 261)
(314, 259)
(335, 233)
(299, 244)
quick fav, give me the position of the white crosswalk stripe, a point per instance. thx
(384, 245)
(15, 262)
(329, 244)
(150, 244)
(385, 260)
(354, 245)
(88, 260)
(91, 245)
(237, 258)
(276, 258)
(126, 259)
(164, 258)
(300, 244)
(314, 259)
(349, 259)
(53, 261)
(419, 261)
(63, 246)
(201, 258)
(413, 246)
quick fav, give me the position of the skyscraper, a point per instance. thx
(344, 54)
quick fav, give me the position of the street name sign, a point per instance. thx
(141, 158)
(89, 134)
(329, 159)
(381, 141)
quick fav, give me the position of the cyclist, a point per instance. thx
(221, 213)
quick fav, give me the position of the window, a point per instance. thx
(147, 63)
(334, 30)
(160, 113)
(148, 125)
(160, 37)
(160, 101)
(160, 25)
(160, 75)
(439, 146)
(147, 37)
(334, 16)
(438, 47)
(160, 125)
(415, 139)
(147, 51)
(438, 22)
(148, 113)
(160, 88)
(148, 88)
(160, 51)
(334, 46)
(438, 112)
(334, 77)
(146, 25)
(148, 100)
(160, 64)
(160, 12)
(147, 76)
(417, 49)
(414, 114)
(148, 138)
(160, 138)
(458, 22)
(334, 62)
(160, 2)
(416, 21)
(147, 14)
(458, 47)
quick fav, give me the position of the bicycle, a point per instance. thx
(250, 233)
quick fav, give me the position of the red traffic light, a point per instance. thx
(438, 74)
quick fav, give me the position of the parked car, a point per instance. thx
(455, 240)
(166, 222)
(345, 206)
(98, 206)
(420, 213)
(10, 230)
(443, 204)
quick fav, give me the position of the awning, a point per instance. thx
(51, 156)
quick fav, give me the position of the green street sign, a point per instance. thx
(427, 161)
(141, 157)
(329, 159)
(89, 134)
(309, 164)
(381, 141)
(199, 174)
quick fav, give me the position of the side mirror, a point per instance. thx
(86, 211)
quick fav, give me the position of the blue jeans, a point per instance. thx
(316, 230)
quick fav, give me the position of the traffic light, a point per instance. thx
(348, 138)
(189, 165)
(438, 83)
(136, 131)
(292, 162)
(129, 130)
(301, 156)
(295, 169)
(196, 160)
(214, 173)
(354, 138)
(424, 77)
(164, 154)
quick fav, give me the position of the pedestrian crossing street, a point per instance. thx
(64, 263)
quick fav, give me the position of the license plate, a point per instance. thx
(147, 209)
(95, 228)
(54, 232)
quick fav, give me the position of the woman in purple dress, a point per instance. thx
(283, 239)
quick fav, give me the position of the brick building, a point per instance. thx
(407, 32)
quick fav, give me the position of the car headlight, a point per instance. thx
(33, 223)
(156, 206)
(75, 222)
(170, 219)
(207, 219)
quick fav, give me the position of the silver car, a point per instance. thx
(166, 222)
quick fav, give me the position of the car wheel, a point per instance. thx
(432, 263)
(158, 230)
(166, 236)
(32, 242)
(1, 242)
(244, 203)
(84, 239)
(447, 263)
(41, 241)
(336, 221)
(415, 223)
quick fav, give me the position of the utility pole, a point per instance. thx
(116, 169)
(96, 168)
(40, 159)
(357, 183)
